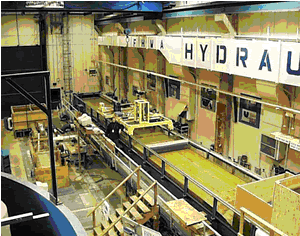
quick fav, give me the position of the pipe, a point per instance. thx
(205, 86)
(63, 138)
(39, 142)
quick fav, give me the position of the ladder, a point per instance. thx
(66, 52)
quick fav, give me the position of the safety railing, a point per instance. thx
(154, 186)
(272, 229)
(211, 198)
(187, 180)
(112, 192)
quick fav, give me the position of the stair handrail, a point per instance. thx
(114, 190)
(154, 184)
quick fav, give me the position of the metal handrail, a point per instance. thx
(22, 218)
(189, 178)
(212, 194)
(193, 181)
(112, 192)
(131, 206)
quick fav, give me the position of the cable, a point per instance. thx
(17, 26)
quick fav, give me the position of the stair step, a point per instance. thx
(98, 230)
(209, 233)
(140, 205)
(120, 211)
(136, 215)
(105, 225)
(119, 225)
(148, 199)
(200, 228)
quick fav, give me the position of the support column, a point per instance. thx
(214, 210)
(163, 169)
(43, 40)
(186, 186)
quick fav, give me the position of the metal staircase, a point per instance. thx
(66, 52)
(140, 208)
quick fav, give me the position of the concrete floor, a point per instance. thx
(87, 187)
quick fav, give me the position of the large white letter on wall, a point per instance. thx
(290, 64)
(221, 60)
(189, 52)
(266, 55)
(270, 61)
(255, 59)
(203, 53)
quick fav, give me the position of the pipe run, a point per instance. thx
(205, 86)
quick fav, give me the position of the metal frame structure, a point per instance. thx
(46, 75)
(22, 218)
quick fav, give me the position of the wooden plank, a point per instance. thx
(220, 181)
(120, 211)
(106, 225)
(248, 200)
(118, 225)
(147, 197)
(136, 215)
(98, 230)
(286, 210)
(16, 161)
(185, 212)
(270, 226)
(140, 205)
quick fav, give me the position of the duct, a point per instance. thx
(272, 92)
(174, 108)
(120, 20)
(97, 6)
(169, 146)
(236, 94)
(174, 70)
(224, 18)
(230, 8)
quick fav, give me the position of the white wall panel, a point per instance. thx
(253, 59)
(19, 30)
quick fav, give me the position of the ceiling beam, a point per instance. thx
(224, 20)
(231, 8)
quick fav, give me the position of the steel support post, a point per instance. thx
(163, 169)
(50, 135)
(214, 210)
(186, 185)
(145, 156)
(130, 143)
(46, 75)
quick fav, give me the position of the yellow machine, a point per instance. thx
(142, 117)
(136, 116)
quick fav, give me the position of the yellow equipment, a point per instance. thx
(142, 117)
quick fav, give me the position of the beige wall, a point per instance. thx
(19, 30)
(243, 139)
(278, 23)
(84, 52)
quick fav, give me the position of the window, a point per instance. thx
(151, 81)
(250, 112)
(208, 99)
(268, 146)
(134, 90)
(107, 80)
(172, 88)
(92, 72)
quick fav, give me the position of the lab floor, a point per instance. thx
(87, 187)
